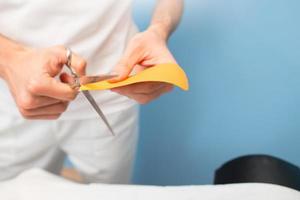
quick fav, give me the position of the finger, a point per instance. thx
(57, 58)
(50, 87)
(131, 57)
(66, 78)
(54, 109)
(32, 102)
(145, 98)
(142, 88)
(43, 117)
(78, 64)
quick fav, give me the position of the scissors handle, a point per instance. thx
(73, 72)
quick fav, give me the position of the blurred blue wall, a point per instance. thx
(243, 61)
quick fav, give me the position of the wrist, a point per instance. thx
(161, 30)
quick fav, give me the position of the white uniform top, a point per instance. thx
(98, 30)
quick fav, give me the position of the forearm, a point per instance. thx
(8, 53)
(166, 17)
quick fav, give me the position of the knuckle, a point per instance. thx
(170, 88)
(58, 53)
(50, 59)
(24, 112)
(137, 39)
(62, 107)
(25, 103)
(143, 100)
(72, 96)
(56, 116)
(58, 49)
(33, 86)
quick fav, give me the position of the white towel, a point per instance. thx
(36, 184)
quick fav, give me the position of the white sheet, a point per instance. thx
(40, 185)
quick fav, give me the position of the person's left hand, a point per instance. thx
(144, 50)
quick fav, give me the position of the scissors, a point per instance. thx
(89, 79)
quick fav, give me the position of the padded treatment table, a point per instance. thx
(36, 184)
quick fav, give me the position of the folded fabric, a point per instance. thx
(168, 73)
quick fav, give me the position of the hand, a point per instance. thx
(144, 50)
(30, 77)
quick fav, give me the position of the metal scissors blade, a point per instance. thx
(92, 101)
(87, 94)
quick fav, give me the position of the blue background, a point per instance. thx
(242, 58)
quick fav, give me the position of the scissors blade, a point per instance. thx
(92, 79)
(92, 101)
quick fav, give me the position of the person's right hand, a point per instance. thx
(30, 77)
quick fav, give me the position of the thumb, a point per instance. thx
(78, 64)
(126, 64)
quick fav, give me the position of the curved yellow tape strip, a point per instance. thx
(169, 73)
